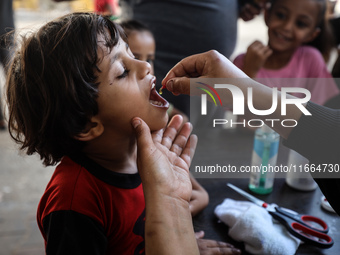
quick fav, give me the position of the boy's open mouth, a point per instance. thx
(156, 100)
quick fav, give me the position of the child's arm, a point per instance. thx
(255, 58)
(199, 198)
(163, 159)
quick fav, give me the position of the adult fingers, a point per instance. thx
(178, 85)
(181, 139)
(143, 134)
(145, 145)
(189, 151)
(187, 67)
(171, 131)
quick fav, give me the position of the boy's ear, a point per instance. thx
(93, 130)
(313, 35)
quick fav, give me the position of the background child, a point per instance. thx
(292, 25)
(73, 88)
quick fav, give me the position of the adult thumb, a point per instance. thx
(179, 85)
(143, 134)
(184, 85)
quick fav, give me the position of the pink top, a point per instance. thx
(307, 62)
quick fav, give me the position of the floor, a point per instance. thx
(22, 182)
(22, 178)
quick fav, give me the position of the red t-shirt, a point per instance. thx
(87, 209)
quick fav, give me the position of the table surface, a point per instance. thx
(237, 150)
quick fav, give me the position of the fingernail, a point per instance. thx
(136, 123)
(236, 251)
(169, 85)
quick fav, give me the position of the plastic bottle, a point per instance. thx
(299, 180)
(266, 146)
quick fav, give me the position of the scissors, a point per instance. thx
(309, 229)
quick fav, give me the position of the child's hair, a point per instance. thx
(52, 86)
(134, 25)
(324, 42)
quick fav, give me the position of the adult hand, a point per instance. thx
(164, 157)
(210, 64)
(163, 160)
(213, 65)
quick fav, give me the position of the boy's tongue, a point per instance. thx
(156, 100)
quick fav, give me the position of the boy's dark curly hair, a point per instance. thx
(51, 86)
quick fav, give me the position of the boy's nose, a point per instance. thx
(143, 69)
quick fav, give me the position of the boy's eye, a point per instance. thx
(136, 56)
(150, 61)
(124, 74)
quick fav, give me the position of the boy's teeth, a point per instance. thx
(153, 85)
(155, 102)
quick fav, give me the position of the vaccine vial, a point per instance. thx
(266, 146)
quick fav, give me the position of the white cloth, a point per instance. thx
(254, 226)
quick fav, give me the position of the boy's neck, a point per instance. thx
(117, 155)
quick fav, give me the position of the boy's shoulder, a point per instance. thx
(67, 176)
(80, 185)
(71, 188)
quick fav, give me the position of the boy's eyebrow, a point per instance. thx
(116, 56)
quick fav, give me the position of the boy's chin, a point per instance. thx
(159, 124)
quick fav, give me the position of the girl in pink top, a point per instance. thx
(291, 26)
